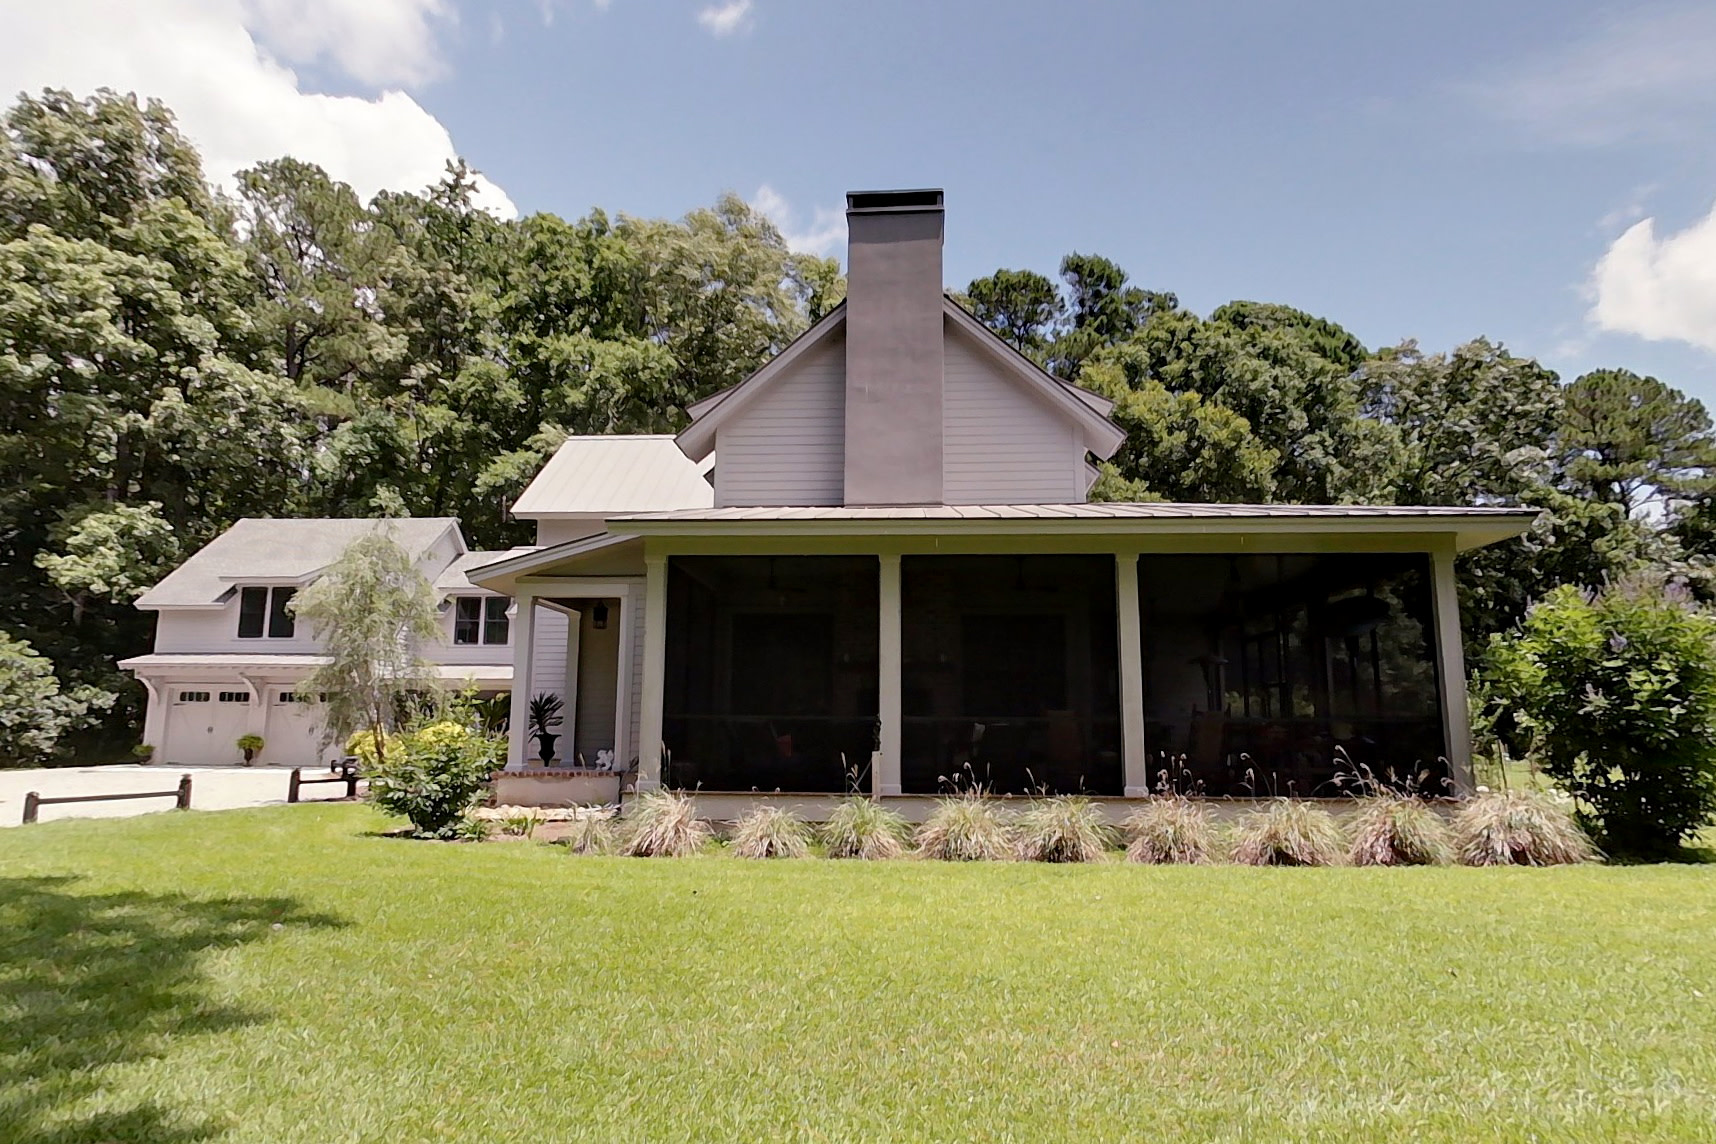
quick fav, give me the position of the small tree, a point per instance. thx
(371, 611)
(1614, 695)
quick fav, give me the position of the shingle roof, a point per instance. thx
(619, 473)
(279, 549)
(453, 578)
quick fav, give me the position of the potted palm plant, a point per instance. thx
(250, 745)
(545, 709)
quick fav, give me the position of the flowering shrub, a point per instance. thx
(431, 775)
(1614, 696)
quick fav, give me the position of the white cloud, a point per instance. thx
(827, 227)
(214, 63)
(376, 42)
(1663, 289)
(725, 19)
(1641, 74)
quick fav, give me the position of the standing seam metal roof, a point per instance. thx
(598, 475)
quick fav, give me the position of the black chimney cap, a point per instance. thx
(879, 202)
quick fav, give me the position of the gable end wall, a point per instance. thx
(1001, 444)
(789, 448)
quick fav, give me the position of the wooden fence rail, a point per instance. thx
(350, 778)
(33, 802)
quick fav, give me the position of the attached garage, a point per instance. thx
(204, 721)
(294, 732)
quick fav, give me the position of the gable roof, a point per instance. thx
(598, 474)
(282, 551)
(1088, 410)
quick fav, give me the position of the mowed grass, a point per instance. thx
(282, 975)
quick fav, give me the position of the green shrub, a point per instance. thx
(1171, 830)
(964, 828)
(433, 775)
(664, 824)
(863, 828)
(1519, 828)
(1065, 828)
(1398, 830)
(590, 834)
(1288, 833)
(770, 832)
(1614, 697)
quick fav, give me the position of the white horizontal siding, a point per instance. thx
(1000, 444)
(789, 447)
(548, 653)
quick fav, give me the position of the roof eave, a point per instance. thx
(1468, 532)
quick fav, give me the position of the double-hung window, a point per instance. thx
(480, 620)
(263, 611)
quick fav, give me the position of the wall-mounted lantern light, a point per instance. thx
(599, 616)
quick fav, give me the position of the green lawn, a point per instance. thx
(281, 975)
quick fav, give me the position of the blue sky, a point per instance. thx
(1542, 173)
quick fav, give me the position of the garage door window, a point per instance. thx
(234, 697)
(193, 697)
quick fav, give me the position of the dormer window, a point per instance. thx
(262, 611)
(481, 620)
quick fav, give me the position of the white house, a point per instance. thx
(228, 654)
(872, 566)
(897, 583)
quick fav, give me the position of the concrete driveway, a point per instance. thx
(212, 788)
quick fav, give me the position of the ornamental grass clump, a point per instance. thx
(1288, 832)
(964, 828)
(1171, 831)
(590, 834)
(1398, 830)
(664, 824)
(1065, 828)
(864, 828)
(770, 832)
(1519, 828)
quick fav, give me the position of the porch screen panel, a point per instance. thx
(1010, 674)
(1286, 674)
(770, 672)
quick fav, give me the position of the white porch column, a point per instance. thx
(155, 714)
(885, 773)
(523, 655)
(1451, 668)
(654, 672)
(1134, 755)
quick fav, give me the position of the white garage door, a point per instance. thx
(204, 723)
(294, 734)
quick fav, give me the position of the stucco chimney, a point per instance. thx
(893, 347)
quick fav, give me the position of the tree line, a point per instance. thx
(173, 357)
